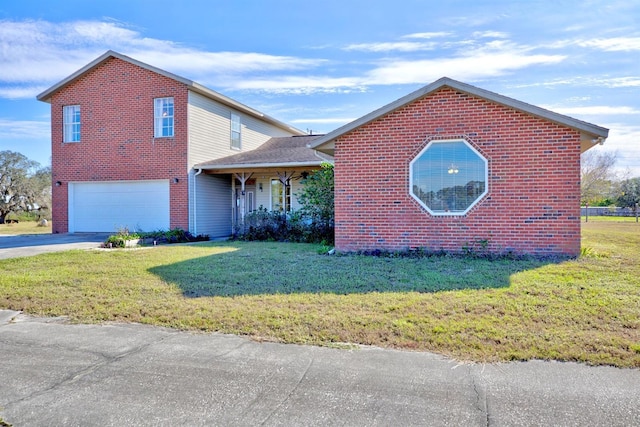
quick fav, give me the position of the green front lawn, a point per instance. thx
(584, 310)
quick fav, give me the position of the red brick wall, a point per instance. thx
(117, 142)
(532, 205)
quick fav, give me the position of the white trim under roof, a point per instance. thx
(593, 133)
(196, 87)
(259, 165)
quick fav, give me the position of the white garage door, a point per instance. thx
(109, 206)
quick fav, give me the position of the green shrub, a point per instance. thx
(119, 240)
(295, 226)
(175, 235)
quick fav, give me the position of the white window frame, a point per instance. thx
(283, 194)
(71, 123)
(236, 132)
(449, 168)
(249, 201)
(163, 117)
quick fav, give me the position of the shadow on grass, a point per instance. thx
(287, 268)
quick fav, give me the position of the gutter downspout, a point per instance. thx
(315, 153)
(195, 199)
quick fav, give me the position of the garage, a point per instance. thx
(113, 205)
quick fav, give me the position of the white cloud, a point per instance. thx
(611, 44)
(596, 110)
(328, 120)
(36, 54)
(615, 44)
(43, 53)
(610, 82)
(220, 63)
(302, 84)
(20, 92)
(474, 66)
(21, 129)
(473, 61)
(490, 34)
(623, 139)
(477, 64)
(431, 35)
(391, 46)
(623, 82)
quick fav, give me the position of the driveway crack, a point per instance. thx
(74, 377)
(291, 392)
(481, 403)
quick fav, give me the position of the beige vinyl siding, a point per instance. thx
(210, 130)
(295, 188)
(263, 198)
(213, 212)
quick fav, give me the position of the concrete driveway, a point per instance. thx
(53, 373)
(34, 244)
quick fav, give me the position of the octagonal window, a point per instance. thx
(448, 177)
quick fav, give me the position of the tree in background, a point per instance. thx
(40, 186)
(24, 186)
(597, 178)
(629, 193)
(316, 196)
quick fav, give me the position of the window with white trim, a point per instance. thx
(448, 177)
(236, 126)
(249, 202)
(163, 117)
(280, 196)
(71, 123)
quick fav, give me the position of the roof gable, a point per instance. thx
(191, 85)
(590, 133)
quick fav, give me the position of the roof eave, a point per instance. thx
(259, 165)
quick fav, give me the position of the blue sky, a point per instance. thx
(318, 65)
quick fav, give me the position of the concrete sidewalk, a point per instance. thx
(54, 373)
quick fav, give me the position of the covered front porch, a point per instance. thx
(269, 177)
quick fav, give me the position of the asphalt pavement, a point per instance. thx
(56, 374)
(34, 244)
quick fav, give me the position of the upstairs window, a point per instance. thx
(448, 177)
(236, 142)
(163, 117)
(71, 123)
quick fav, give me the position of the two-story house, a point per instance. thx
(448, 167)
(137, 147)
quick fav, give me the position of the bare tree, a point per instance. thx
(597, 175)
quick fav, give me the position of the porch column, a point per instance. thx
(243, 178)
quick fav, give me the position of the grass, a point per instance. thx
(593, 218)
(585, 310)
(24, 227)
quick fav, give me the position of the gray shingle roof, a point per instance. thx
(289, 151)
